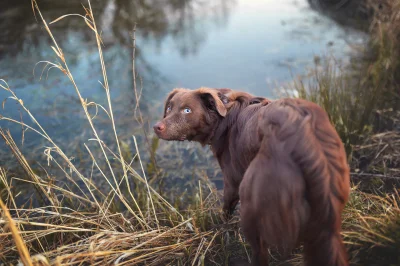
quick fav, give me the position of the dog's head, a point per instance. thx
(192, 114)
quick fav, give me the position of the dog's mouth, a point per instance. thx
(182, 138)
(168, 138)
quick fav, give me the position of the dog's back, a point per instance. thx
(297, 185)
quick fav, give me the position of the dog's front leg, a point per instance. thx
(231, 197)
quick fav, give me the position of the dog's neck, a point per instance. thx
(210, 137)
(224, 125)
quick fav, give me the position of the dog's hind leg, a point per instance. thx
(259, 256)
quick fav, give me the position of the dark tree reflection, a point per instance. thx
(185, 21)
(349, 13)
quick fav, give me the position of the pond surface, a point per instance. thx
(254, 46)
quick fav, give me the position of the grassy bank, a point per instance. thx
(71, 220)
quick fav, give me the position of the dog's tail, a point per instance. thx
(320, 154)
(308, 170)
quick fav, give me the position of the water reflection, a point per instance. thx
(185, 22)
(24, 43)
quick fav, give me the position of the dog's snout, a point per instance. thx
(159, 127)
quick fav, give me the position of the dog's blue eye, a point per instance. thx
(187, 110)
(169, 108)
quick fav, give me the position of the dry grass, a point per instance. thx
(379, 155)
(371, 228)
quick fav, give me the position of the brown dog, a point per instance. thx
(284, 159)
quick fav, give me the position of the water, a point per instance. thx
(248, 45)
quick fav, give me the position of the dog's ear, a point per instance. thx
(214, 100)
(223, 94)
(169, 97)
(224, 90)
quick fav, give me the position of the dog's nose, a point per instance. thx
(159, 127)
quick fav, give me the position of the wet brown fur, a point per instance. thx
(285, 162)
